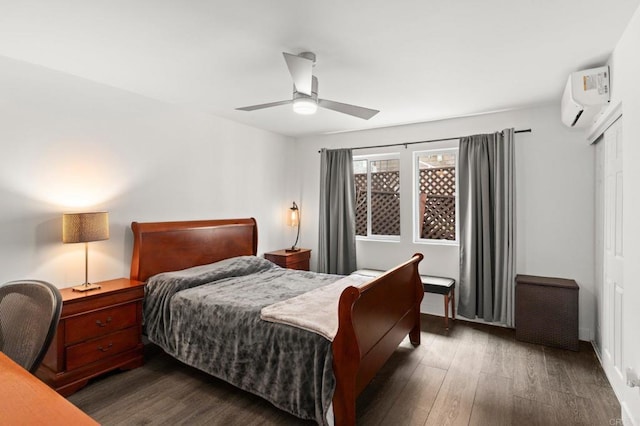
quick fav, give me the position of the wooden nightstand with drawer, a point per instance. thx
(99, 331)
(290, 259)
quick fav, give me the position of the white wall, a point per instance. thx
(625, 69)
(554, 180)
(72, 145)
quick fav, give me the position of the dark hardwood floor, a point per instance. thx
(471, 375)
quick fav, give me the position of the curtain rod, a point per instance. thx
(427, 141)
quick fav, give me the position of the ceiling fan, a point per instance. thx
(305, 91)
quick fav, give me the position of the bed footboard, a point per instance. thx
(373, 320)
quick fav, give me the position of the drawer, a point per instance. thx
(100, 323)
(85, 353)
(300, 264)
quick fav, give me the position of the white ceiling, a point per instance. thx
(414, 60)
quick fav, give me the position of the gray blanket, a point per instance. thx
(209, 317)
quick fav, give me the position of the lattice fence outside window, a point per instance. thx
(437, 196)
(438, 203)
(385, 203)
(362, 208)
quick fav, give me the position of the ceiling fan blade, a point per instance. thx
(261, 106)
(301, 70)
(354, 110)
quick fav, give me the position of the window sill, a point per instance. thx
(379, 239)
(437, 242)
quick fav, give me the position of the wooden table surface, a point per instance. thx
(25, 400)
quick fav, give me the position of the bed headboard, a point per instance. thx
(171, 246)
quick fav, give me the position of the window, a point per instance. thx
(377, 181)
(436, 195)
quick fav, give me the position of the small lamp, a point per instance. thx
(84, 228)
(294, 221)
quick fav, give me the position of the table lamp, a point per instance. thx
(294, 221)
(84, 228)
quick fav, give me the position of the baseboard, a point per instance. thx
(585, 334)
(625, 412)
(480, 321)
(598, 354)
(627, 419)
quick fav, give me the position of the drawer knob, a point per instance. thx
(103, 324)
(103, 349)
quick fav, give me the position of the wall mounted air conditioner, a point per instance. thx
(584, 97)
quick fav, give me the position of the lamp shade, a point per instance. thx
(85, 227)
(294, 216)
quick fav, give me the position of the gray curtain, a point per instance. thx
(487, 226)
(337, 240)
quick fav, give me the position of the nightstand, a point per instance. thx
(99, 331)
(290, 259)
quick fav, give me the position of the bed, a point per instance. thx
(372, 319)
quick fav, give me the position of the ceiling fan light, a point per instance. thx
(305, 106)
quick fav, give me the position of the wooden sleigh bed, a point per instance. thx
(372, 319)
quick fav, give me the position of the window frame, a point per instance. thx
(378, 157)
(417, 239)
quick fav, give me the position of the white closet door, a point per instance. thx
(613, 286)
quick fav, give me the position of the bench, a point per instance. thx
(430, 284)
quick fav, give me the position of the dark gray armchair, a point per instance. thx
(29, 314)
